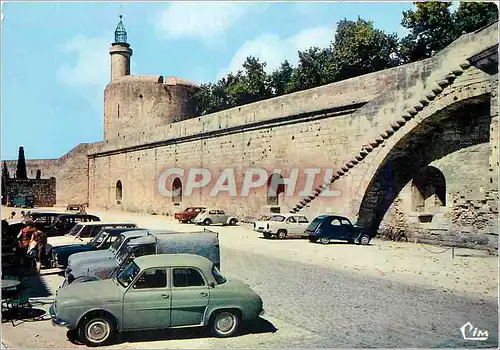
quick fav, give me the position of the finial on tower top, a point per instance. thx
(120, 33)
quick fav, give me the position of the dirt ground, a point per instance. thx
(456, 271)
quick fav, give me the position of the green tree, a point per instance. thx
(359, 48)
(280, 78)
(312, 69)
(21, 172)
(5, 171)
(471, 16)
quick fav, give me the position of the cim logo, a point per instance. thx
(469, 332)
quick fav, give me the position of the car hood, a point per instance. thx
(73, 248)
(90, 257)
(92, 268)
(91, 293)
(59, 241)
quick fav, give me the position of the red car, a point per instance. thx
(188, 214)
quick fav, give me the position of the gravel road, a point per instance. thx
(342, 310)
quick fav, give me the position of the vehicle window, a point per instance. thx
(197, 210)
(278, 218)
(74, 231)
(128, 274)
(345, 222)
(156, 278)
(86, 232)
(335, 222)
(217, 275)
(189, 210)
(291, 219)
(301, 219)
(117, 243)
(221, 212)
(186, 277)
(213, 212)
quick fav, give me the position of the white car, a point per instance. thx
(286, 225)
(83, 232)
(214, 216)
(260, 225)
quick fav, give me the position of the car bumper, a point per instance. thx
(55, 320)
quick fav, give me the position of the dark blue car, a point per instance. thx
(102, 240)
(325, 228)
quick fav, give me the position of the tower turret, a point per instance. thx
(120, 52)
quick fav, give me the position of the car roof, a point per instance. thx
(47, 212)
(122, 229)
(76, 215)
(161, 260)
(101, 223)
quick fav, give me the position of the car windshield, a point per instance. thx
(116, 244)
(101, 237)
(217, 275)
(128, 275)
(314, 224)
(74, 231)
(123, 253)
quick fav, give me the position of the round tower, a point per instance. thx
(120, 52)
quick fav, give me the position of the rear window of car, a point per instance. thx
(278, 218)
(314, 224)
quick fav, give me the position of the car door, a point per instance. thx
(291, 226)
(301, 225)
(222, 216)
(190, 296)
(348, 228)
(147, 302)
(337, 230)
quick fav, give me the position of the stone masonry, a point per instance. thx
(383, 133)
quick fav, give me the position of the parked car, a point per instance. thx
(155, 292)
(204, 243)
(286, 225)
(43, 220)
(325, 228)
(188, 214)
(26, 201)
(84, 232)
(76, 208)
(214, 216)
(62, 224)
(103, 240)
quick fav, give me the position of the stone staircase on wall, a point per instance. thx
(404, 117)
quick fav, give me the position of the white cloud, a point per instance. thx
(203, 20)
(273, 50)
(89, 70)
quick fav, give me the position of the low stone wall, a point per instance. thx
(44, 190)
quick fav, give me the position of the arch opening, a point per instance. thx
(119, 192)
(409, 161)
(177, 190)
(275, 189)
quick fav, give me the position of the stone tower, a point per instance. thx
(120, 52)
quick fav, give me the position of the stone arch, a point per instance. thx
(275, 189)
(119, 192)
(428, 189)
(177, 190)
(390, 168)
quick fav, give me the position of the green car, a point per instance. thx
(154, 292)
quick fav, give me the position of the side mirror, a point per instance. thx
(211, 285)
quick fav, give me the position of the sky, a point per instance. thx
(55, 55)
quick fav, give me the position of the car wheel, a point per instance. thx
(324, 240)
(207, 222)
(281, 234)
(267, 235)
(225, 323)
(233, 222)
(97, 330)
(364, 239)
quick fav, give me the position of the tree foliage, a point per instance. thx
(21, 172)
(357, 48)
(5, 171)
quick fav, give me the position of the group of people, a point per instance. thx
(32, 244)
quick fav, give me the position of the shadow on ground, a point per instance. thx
(256, 327)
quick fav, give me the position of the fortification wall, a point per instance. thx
(44, 190)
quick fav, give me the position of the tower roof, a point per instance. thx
(120, 33)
